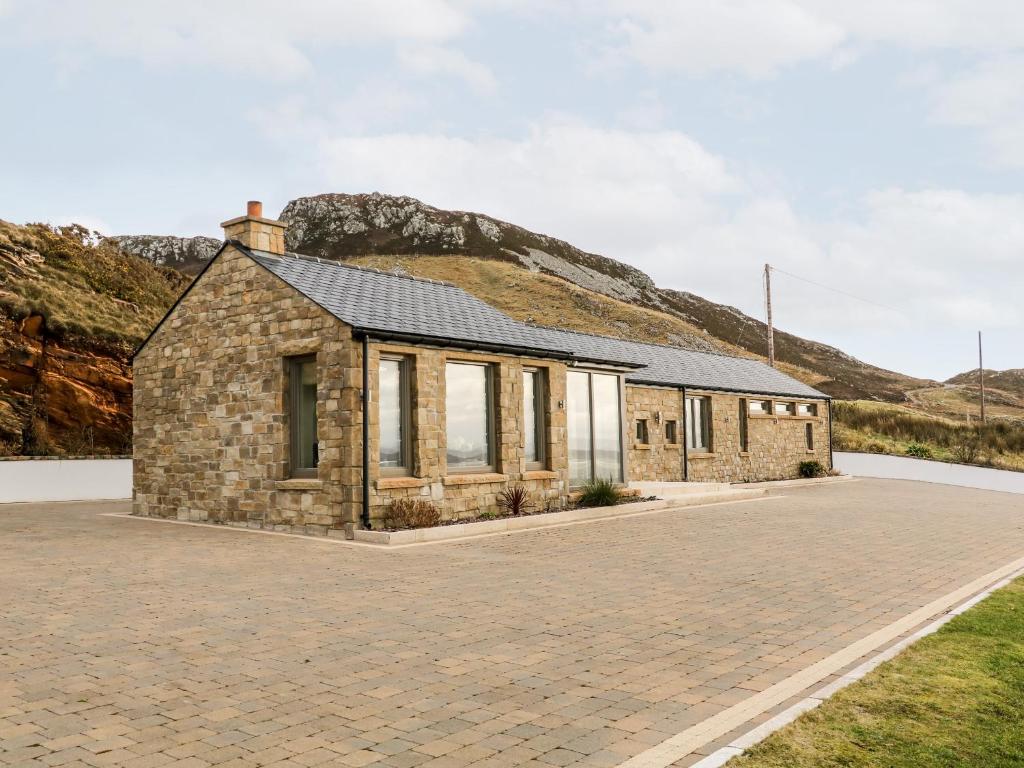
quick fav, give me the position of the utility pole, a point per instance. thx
(768, 307)
(981, 379)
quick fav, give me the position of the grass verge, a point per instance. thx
(955, 698)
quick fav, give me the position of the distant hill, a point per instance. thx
(1011, 380)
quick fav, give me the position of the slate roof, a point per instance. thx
(398, 306)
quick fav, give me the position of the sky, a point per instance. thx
(872, 151)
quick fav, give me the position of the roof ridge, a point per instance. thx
(343, 265)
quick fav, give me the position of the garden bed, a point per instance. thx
(460, 529)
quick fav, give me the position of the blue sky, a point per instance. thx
(872, 146)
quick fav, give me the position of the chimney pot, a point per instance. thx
(254, 209)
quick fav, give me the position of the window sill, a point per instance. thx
(474, 478)
(694, 456)
(300, 484)
(641, 446)
(671, 446)
(401, 482)
(540, 474)
(745, 454)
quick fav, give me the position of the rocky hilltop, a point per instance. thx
(188, 255)
(338, 226)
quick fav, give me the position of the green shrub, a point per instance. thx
(812, 469)
(411, 513)
(599, 493)
(920, 451)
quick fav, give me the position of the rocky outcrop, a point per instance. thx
(337, 226)
(185, 254)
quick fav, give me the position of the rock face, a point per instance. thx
(60, 394)
(185, 254)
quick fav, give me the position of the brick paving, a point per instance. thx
(145, 644)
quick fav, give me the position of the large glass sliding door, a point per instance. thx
(594, 416)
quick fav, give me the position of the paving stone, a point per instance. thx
(145, 644)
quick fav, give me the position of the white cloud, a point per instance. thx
(434, 60)
(752, 37)
(759, 37)
(248, 36)
(988, 97)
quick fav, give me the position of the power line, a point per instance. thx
(836, 290)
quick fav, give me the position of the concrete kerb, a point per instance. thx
(798, 482)
(620, 512)
(655, 758)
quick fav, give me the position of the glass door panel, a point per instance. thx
(607, 428)
(578, 422)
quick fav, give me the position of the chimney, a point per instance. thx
(253, 231)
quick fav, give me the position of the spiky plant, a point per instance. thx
(515, 500)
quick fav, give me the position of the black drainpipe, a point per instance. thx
(682, 423)
(831, 459)
(365, 513)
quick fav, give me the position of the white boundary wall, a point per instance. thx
(906, 468)
(65, 479)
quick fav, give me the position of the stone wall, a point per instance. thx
(658, 459)
(210, 417)
(776, 444)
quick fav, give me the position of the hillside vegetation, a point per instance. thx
(884, 428)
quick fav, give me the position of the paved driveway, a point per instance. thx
(136, 643)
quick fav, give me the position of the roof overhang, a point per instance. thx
(377, 334)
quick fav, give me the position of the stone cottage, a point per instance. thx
(289, 392)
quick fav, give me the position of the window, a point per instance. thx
(393, 412)
(304, 453)
(470, 433)
(809, 433)
(744, 433)
(760, 407)
(671, 436)
(698, 424)
(807, 409)
(594, 420)
(642, 435)
(785, 409)
(533, 418)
